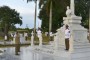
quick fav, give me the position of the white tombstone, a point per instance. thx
(39, 34)
(51, 34)
(32, 38)
(40, 41)
(21, 38)
(46, 33)
(25, 35)
(5, 37)
(14, 39)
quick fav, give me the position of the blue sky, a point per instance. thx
(25, 9)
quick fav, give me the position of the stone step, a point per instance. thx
(83, 58)
(78, 46)
(80, 55)
(77, 49)
(63, 47)
(81, 50)
(82, 44)
(65, 54)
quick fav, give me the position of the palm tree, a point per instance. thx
(35, 16)
(49, 4)
(89, 18)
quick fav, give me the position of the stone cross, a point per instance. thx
(72, 7)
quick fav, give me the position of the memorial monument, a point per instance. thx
(79, 45)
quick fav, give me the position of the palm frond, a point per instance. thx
(31, 0)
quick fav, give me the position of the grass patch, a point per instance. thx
(45, 41)
(1, 38)
(44, 38)
(13, 45)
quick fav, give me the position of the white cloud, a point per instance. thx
(25, 9)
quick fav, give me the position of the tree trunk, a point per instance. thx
(35, 19)
(89, 24)
(50, 20)
(6, 31)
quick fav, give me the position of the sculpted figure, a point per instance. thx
(68, 12)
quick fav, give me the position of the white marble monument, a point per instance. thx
(79, 45)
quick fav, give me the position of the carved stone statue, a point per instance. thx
(68, 12)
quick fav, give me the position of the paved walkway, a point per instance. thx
(8, 54)
(25, 54)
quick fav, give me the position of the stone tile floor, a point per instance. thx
(8, 54)
(25, 54)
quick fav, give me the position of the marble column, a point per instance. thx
(72, 6)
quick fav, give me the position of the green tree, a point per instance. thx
(88, 4)
(34, 16)
(9, 17)
(58, 12)
(12, 28)
(82, 9)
